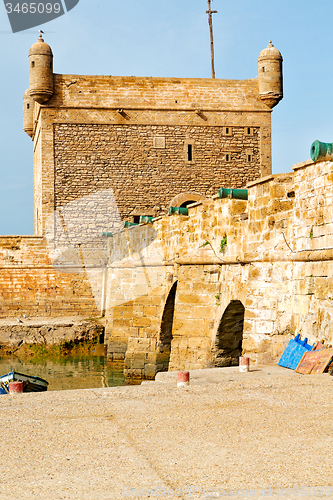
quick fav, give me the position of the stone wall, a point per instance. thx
(32, 285)
(262, 266)
(194, 291)
(163, 136)
(146, 166)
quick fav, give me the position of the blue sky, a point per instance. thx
(171, 38)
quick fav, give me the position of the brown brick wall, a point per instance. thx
(31, 285)
(144, 178)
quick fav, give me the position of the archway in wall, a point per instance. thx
(228, 346)
(186, 203)
(184, 199)
(164, 344)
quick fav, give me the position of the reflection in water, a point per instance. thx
(67, 372)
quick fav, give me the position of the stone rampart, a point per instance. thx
(248, 276)
(195, 291)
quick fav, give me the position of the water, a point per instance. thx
(81, 371)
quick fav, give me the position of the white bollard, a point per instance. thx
(183, 379)
(244, 364)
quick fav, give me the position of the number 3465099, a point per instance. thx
(33, 8)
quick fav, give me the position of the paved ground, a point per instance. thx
(227, 435)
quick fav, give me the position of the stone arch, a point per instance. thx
(184, 199)
(229, 337)
(165, 336)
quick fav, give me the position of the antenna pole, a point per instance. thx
(210, 22)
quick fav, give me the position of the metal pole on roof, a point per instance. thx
(210, 22)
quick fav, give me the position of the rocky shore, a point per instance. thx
(21, 334)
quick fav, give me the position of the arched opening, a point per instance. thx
(229, 336)
(164, 345)
(184, 199)
(186, 203)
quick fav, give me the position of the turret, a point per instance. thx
(28, 113)
(41, 71)
(270, 75)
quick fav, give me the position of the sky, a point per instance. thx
(170, 38)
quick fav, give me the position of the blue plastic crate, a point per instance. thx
(294, 351)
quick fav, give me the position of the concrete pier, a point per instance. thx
(268, 428)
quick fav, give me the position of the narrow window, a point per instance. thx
(227, 157)
(248, 131)
(28, 106)
(249, 158)
(136, 219)
(33, 64)
(263, 69)
(189, 152)
(227, 130)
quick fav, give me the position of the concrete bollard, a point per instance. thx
(244, 364)
(15, 387)
(183, 379)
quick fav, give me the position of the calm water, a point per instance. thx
(67, 372)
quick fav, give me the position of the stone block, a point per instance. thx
(141, 322)
(205, 288)
(133, 373)
(117, 356)
(137, 362)
(191, 298)
(151, 357)
(116, 347)
(189, 328)
(150, 311)
(263, 326)
(199, 343)
(139, 344)
(204, 312)
(277, 191)
(150, 371)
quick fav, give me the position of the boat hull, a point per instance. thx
(30, 383)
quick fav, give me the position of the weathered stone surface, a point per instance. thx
(49, 334)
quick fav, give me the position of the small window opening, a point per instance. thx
(189, 152)
(248, 130)
(136, 219)
(249, 158)
(263, 69)
(227, 130)
(227, 157)
(28, 106)
(33, 64)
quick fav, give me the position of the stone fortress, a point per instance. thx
(190, 289)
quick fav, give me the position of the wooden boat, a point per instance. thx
(30, 383)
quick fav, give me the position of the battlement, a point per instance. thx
(134, 92)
